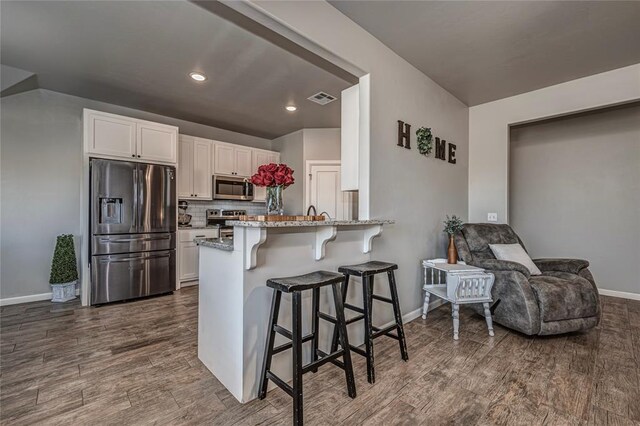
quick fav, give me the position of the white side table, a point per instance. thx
(458, 284)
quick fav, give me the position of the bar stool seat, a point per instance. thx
(367, 272)
(368, 268)
(295, 286)
(305, 282)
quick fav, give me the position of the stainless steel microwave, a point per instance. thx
(232, 188)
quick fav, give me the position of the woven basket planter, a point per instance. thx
(63, 292)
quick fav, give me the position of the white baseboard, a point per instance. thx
(25, 299)
(408, 317)
(31, 298)
(621, 294)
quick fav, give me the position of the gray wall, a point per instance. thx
(575, 192)
(291, 147)
(298, 147)
(415, 191)
(41, 173)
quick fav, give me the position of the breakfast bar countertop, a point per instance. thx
(294, 223)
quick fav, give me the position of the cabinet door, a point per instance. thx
(259, 158)
(274, 157)
(188, 261)
(110, 135)
(157, 142)
(243, 159)
(202, 169)
(224, 159)
(185, 167)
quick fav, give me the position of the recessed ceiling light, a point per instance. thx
(197, 76)
(291, 108)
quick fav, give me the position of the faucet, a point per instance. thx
(326, 214)
(315, 212)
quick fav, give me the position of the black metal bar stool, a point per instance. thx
(296, 285)
(367, 271)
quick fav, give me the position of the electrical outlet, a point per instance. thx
(492, 217)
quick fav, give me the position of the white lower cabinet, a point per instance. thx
(188, 253)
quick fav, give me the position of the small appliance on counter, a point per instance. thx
(219, 217)
(184, 219)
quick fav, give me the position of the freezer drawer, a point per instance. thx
(131, 243)
(132, 275)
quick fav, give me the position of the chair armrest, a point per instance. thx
(572, 266)
(501, 265)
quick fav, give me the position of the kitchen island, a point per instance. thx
(234, 300)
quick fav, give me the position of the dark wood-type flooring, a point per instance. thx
(136, 363)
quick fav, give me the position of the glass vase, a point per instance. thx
(275, 206)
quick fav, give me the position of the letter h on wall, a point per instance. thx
(404, 134)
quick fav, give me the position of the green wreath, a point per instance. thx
(425, 140)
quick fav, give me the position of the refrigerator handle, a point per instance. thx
(135, 198)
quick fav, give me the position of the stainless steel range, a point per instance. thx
(133, 230)
(219, 217)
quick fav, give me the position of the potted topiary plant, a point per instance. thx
(452, 225)
(64, 270)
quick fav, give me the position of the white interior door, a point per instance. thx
(324, 190)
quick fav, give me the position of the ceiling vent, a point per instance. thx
(322, 98)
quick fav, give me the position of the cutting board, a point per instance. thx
(278, 218)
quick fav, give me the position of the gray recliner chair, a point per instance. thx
(563, 299)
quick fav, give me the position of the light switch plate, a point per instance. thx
(492, 217)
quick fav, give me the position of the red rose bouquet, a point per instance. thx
(271, 175)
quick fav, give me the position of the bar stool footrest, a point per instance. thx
(354, 308)
(382, 298)
(288, 345)
(358, 350)
(325, 358)
(281, 383)
(384, 331)
(283, 331)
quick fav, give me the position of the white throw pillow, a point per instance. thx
(514, 253)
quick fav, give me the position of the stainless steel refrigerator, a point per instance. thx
(133, 230)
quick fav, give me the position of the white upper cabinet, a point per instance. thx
(157, 142)
(194, 168)
(224, 159)
(261, 157)
(232, 160)
(243, 162)
(202, 168)
(117, 136)
(110, 134)
(185, 167)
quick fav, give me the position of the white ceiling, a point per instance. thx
(139, 54)
(486, 50)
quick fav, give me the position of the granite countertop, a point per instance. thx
(300, 223)
(194, 227)
(218, 243)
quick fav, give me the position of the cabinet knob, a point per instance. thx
(133, 155)
(138, 156)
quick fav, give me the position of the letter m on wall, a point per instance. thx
(440, 148)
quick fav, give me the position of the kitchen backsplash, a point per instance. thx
(198, 209)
